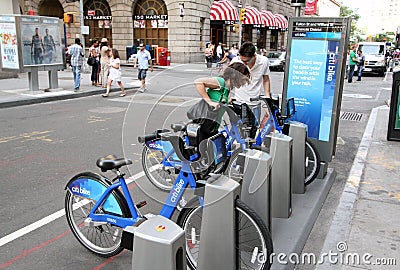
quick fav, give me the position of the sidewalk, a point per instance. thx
(365, 228)
(15, 91)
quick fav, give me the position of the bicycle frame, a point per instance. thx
(111, 211)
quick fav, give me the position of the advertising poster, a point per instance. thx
(312, 81)
(9, 45)
(41, 41)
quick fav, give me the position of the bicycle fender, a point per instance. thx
(85, 185)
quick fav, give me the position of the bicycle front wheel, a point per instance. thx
(252, 235)
(159, 175)
(103, 240)
(313, 162)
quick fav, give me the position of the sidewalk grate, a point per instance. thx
(351, 116)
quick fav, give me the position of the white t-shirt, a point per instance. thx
(256, 86)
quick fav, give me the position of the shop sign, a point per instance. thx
(100, 17)
(150, 17)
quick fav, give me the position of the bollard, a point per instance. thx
(298, 132)
(159, 244)
(281, 174)
(256, 184)
(217, 249)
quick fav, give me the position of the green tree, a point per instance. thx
(348, 12)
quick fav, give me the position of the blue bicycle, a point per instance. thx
(98, 209)
(161, 165)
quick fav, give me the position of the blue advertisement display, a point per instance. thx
(312, 81)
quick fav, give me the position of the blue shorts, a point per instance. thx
(142, 74)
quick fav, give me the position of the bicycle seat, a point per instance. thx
(178, 127)
(111, 162)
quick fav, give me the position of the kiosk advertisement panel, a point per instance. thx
(9, 43)
(393, 133)
(314, 76)
(41, 41)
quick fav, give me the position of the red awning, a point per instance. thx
(268, 19)
(223, 11)
(253, 16)
(281, 22)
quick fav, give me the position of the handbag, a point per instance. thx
(91, 60)
(201, 110)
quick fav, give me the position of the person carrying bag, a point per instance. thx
(214, 90)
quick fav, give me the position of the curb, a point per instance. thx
(341, 223)
(36, 100)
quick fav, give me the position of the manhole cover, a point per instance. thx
(107, 110)
(351, 116)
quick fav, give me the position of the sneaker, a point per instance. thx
(141, 90)
(76, 89)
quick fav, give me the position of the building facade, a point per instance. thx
(184, 27)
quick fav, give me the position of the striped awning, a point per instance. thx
(223, 10)
(268, 19)
(253, 16)
(281, 21)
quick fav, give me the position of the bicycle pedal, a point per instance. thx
(141, 204)
(90, 223)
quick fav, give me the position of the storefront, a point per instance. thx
(98, 18)
(252, 25)
(282, 24)
(223, 16)
(269, 25)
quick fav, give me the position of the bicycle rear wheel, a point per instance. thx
(252, 235)
(313, 162)
(103, 240)
(159, 175)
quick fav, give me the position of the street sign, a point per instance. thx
(314, 76)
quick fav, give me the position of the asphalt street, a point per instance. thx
(44, 145)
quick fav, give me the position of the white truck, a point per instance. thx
(375, 56)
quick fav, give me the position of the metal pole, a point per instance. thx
(240, 25)
(82, 24)
(297, 11)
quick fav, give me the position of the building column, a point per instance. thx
(122, 27)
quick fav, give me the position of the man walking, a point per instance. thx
(352, 63)
(360, 64)
(76, 62)
(142, 61)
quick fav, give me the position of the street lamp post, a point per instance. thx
(297, 4)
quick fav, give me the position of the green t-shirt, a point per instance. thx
(215, 94)
(352, 56)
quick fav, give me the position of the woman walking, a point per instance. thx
(115, 72)
(94, 51)
(104, 62)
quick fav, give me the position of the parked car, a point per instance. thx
(277, 60)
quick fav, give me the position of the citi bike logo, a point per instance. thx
(155, 145)
(177, 190)
(83, 191)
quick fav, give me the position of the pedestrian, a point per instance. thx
(220, 51)
(142, 62)
(352, 64)
(347, 65)
(94, 51)
(224, 62)
(49, 46)
(115, 72)
(208, 55)
(104, 62)
(37, 48)
(217, 89)
(360, 64)
(234, 50)
(76, 53)
(260, 81)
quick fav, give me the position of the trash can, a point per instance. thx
(162, 57)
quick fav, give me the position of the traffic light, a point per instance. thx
(68, 18)
(242, 14)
